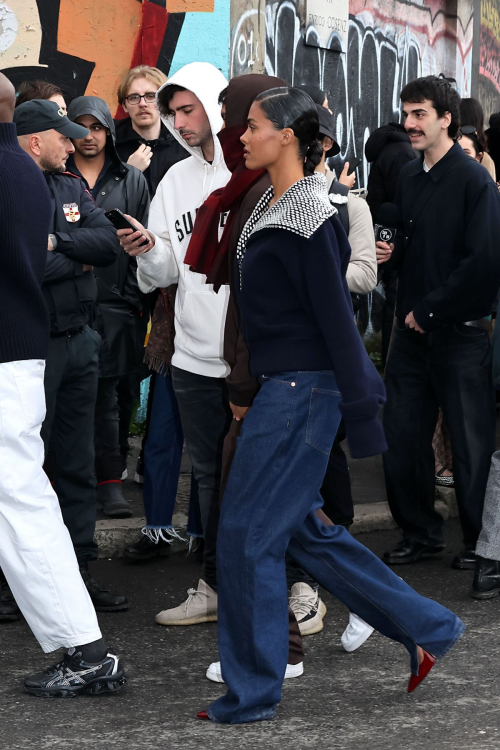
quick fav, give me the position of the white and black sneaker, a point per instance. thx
(72, 676)
(307, 607)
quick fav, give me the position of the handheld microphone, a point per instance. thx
(387, 222)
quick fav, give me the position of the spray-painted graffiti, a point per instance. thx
(386, 49)
(87, 47)
(489, 56)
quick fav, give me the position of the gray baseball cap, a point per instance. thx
(38, 115)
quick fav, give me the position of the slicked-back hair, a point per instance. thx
(292, 108)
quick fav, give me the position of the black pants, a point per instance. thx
(129, 394)
(108, 459)
(451, 369)
(205, 415)
(68, 433)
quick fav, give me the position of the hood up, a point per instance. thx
(390, 133)
(206, 82)
(96, 107)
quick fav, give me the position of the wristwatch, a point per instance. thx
(53, 239)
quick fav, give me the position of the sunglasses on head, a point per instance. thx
(468, 130)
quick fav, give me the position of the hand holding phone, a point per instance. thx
(133, 237)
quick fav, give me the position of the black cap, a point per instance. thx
(38, 115)
(327, 127)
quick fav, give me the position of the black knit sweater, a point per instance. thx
(25, 212)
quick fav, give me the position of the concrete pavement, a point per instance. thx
(343, 701)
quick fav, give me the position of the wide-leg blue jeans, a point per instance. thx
(269, 505)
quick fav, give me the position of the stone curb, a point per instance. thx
(113, 536)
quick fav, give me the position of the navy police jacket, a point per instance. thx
(84, 236)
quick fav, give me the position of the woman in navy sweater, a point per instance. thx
(304, 347)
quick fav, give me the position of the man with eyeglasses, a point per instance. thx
(141, 139)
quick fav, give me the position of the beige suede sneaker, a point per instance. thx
(200, 606)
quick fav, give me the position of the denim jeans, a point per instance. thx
(451, 369)
(269, 505)
(162, 459)
(206, 417)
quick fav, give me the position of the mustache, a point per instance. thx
(412, 131)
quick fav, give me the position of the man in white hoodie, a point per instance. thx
(189, 108)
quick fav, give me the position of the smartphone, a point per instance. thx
(353, 165)
(119, 221)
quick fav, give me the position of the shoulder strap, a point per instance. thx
(337, 189)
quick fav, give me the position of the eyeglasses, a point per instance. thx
(468, 130)
(149, 98)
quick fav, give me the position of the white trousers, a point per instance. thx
(36, 553)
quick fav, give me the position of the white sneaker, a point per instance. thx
(139, 478)
(308, 608)
(124, 474)
(200, 606)
(356, 633)
(292, 670)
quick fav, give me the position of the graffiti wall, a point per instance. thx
(87, 47)
(489, 56)
(390, 42)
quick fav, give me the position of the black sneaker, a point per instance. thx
(9, 611)
(145, 549)
(72, 676)
(102, 599)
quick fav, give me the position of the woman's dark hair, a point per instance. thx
(441, 93)
(29, 90)
(471, 113)
(294, 109)
(165, 96)
(475, 141)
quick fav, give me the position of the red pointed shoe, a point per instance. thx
(423, 670)
(203, 715)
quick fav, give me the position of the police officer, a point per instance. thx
(80, 238)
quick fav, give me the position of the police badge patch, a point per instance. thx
(71, 212)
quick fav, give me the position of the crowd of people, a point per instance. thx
(205, 240)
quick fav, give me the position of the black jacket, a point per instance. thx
(84, 237)
(122, 310)
(447, 252)
(166, 151)
(389, 150)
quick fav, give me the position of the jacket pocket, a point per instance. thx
(323, 419)
(202, 324)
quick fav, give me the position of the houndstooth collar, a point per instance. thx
(302, 209)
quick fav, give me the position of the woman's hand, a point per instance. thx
(131, 241)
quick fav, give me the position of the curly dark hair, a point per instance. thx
(442, 94)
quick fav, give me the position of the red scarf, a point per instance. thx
(206, 254)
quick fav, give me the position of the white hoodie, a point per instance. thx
(200, 313)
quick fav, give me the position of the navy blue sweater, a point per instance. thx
(25, 214)
(297, 315)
